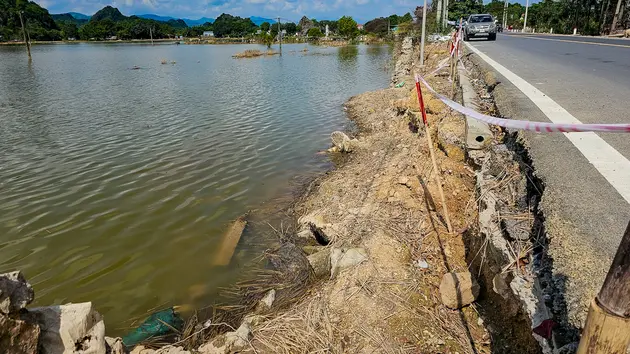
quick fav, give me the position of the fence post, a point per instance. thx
(607, 328)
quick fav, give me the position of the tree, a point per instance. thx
(290, 27)
(264, 26)
(377, 26)
(315, 33)
(274, 31)
(348, 27)
(406, 18)
(233, 26)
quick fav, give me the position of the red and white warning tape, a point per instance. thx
(523, 125)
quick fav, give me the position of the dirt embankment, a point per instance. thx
(375, 264)
(379, 245)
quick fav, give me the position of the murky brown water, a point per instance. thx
(116, 185)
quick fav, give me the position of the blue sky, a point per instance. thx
(361, 10)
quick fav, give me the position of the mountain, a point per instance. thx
(188, 21)
(258, 20)
(69, 18)
(79, 16)
(198, 22)
(41, 24)
(157, 17)
(108, 12)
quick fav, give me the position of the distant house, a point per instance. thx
(259, 32)
(208, 33)
(360, 27)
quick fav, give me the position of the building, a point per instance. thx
(208, 33)
(360, 27)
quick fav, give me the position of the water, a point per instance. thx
(116, 185)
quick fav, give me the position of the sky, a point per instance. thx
(361, 10)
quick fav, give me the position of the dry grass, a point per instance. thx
(253, 53)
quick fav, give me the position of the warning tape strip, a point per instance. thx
(526, 125)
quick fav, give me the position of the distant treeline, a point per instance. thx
(110, 23)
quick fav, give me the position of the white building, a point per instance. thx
(208, 33)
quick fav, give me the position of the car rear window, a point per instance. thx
(477, 19)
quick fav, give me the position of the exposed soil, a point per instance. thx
(384, 199)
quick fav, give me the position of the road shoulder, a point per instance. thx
(579, 261)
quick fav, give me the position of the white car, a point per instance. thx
(480, 25)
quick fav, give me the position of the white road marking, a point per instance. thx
(609, 162)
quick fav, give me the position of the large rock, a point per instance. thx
(18, 337)
(458, 289)
(15, 292)
(341, 259)
(320, 262)
(291, 272)
(342, 142)
(70, 328)
(231, 342)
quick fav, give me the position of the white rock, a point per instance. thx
(230, 342)
(265, 304)
(239, 339)
(340, 259)
(70, 328)
(115, 345)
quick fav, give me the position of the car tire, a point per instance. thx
(466, 38)
(492, 37)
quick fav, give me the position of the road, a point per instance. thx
(587, 179)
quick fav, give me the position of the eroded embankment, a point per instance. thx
(380, 252)
(513, 222)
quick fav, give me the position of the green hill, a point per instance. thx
(110, 13)
(38, 21)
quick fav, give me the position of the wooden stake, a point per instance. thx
(438, 178)
(607, 327)
(26, 40)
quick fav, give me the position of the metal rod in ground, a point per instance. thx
(26, 41)
(423, 36)
(607, 327)
(438, 178)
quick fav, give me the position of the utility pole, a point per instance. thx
(607, 327)
(615, 18)
(439, 14)
(424, 26)
(445, 13)
(280, 35)
(505, 14)
(26, 40)
(151, 34)
(525, 21)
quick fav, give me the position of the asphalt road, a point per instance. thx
(585, 215)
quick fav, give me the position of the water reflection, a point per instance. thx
(348, 53)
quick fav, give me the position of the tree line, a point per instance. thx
(591, 17)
